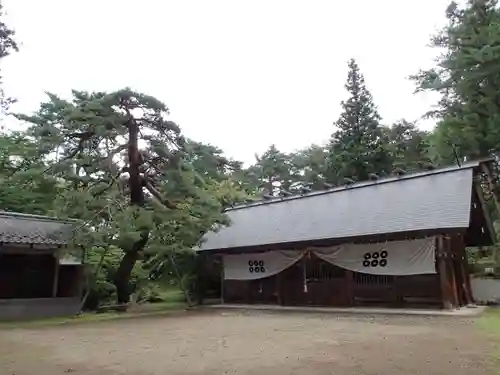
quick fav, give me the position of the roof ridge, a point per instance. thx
(23, 216)
(362, 184)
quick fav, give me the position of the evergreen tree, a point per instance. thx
(356, 148)
(272, 171)
(408, 146)
(309, 167)
(467, 76)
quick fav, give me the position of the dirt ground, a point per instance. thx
(251, 343)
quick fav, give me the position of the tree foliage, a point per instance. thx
(8, 45)
(406, 146)
(356, 147)
(23, 188)
(467, 76)
(271, 172)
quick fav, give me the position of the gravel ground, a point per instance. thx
(251, 343)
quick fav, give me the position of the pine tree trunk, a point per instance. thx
(124, 272)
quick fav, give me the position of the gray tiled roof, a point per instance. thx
(33, 229)
(437, 199)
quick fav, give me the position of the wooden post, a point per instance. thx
(55, 282)
(443, 274)
(222, 280)
(451, 262)
(459, 246)
(453, 280)
(457, 268)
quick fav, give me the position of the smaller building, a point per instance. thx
(39, 275)
(398, 241)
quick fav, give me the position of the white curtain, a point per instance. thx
(410, 257)
(254, 266)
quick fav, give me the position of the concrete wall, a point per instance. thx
(485, 290)
(23, 309)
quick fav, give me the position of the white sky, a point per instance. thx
(240, 75)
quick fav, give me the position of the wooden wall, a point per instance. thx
(26, 275)
(328, 285)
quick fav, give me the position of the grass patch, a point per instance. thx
(490, 324)
(171, 295)
(91, 317)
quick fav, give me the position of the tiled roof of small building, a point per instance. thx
(436, 199)
(34, 229)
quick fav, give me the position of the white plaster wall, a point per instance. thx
(485, 290)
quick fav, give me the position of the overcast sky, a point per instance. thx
(238, 74)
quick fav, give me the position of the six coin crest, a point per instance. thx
(256, 266)
(375, 259)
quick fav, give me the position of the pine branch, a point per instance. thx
(155, 193)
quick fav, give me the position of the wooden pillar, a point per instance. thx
(55, 282)
(443, 273)
(451, 258)
(222, 280)
(459, 275)
(453, 282)
(459, 246)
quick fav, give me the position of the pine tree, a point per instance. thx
(130, 175)
(356, 148)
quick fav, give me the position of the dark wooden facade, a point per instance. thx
(314, 282)
(39, 277)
